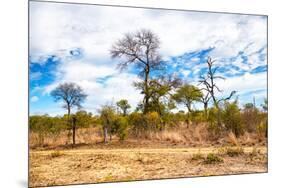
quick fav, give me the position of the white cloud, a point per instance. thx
(95, 28)
(34, 99)
(243, 84)
(118, 85)
(56, 28)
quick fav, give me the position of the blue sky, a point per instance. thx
(68, 47)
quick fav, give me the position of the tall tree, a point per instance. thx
(139, 48)
(160, 93)
(209, 85)
(73, 96)
(187, 95)
(124, 106)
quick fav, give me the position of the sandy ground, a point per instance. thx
(78, 166)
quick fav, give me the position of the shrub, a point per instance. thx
(197, 156)
(55, 154)
(213, 159)
(262, 127)
(153, 120)
(213, 121)
(197, 117)
(137, 121)
(250, 117)
(232, 152)
(232, 118)
(121, 127)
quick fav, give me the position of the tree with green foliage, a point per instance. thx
(45, 125)
(72, 96)
(107, 116)
(124, 106)
(187, 95)
(139, 48)
(160, 93)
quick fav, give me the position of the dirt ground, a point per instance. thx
(80, 165)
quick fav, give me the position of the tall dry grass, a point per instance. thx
(193, 135)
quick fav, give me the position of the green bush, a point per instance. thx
(213, 159)
(213, 120)
(153, 121)
(197, 117)
(231, 118)
(121, 127)
(137, 121)
(232, 152)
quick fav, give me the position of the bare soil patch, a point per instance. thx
(76, 166)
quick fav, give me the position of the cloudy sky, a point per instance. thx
(71, 43)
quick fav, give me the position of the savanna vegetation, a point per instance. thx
(157, 121)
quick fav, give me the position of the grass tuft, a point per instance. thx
(213, 159)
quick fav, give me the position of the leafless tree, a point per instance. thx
(205, 100)
(211, 88)
(139, 48)
(72, 95)
(209, 83)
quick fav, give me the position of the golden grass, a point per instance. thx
(100, 165)
(194, 135)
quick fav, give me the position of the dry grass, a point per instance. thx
(194, 135)
(101, 165)
(232, 139)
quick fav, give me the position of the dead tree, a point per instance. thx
(205, 100)
(211, 88)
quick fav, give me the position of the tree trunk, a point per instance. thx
(73, 134)
(68, 123)
(104, 134)
(73, 130)
(146, 96)
(206, 110)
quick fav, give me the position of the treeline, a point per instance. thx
(162, 93)
(113, 122)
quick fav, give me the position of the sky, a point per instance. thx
(71, 43)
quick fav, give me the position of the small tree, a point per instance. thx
(73, 96)
(124, 106)
(187, 95)
(107, 116)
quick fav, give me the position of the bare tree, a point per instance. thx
(139, 48)
(211, 88)
(209, 83)
(72, 95)
(205, 100)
